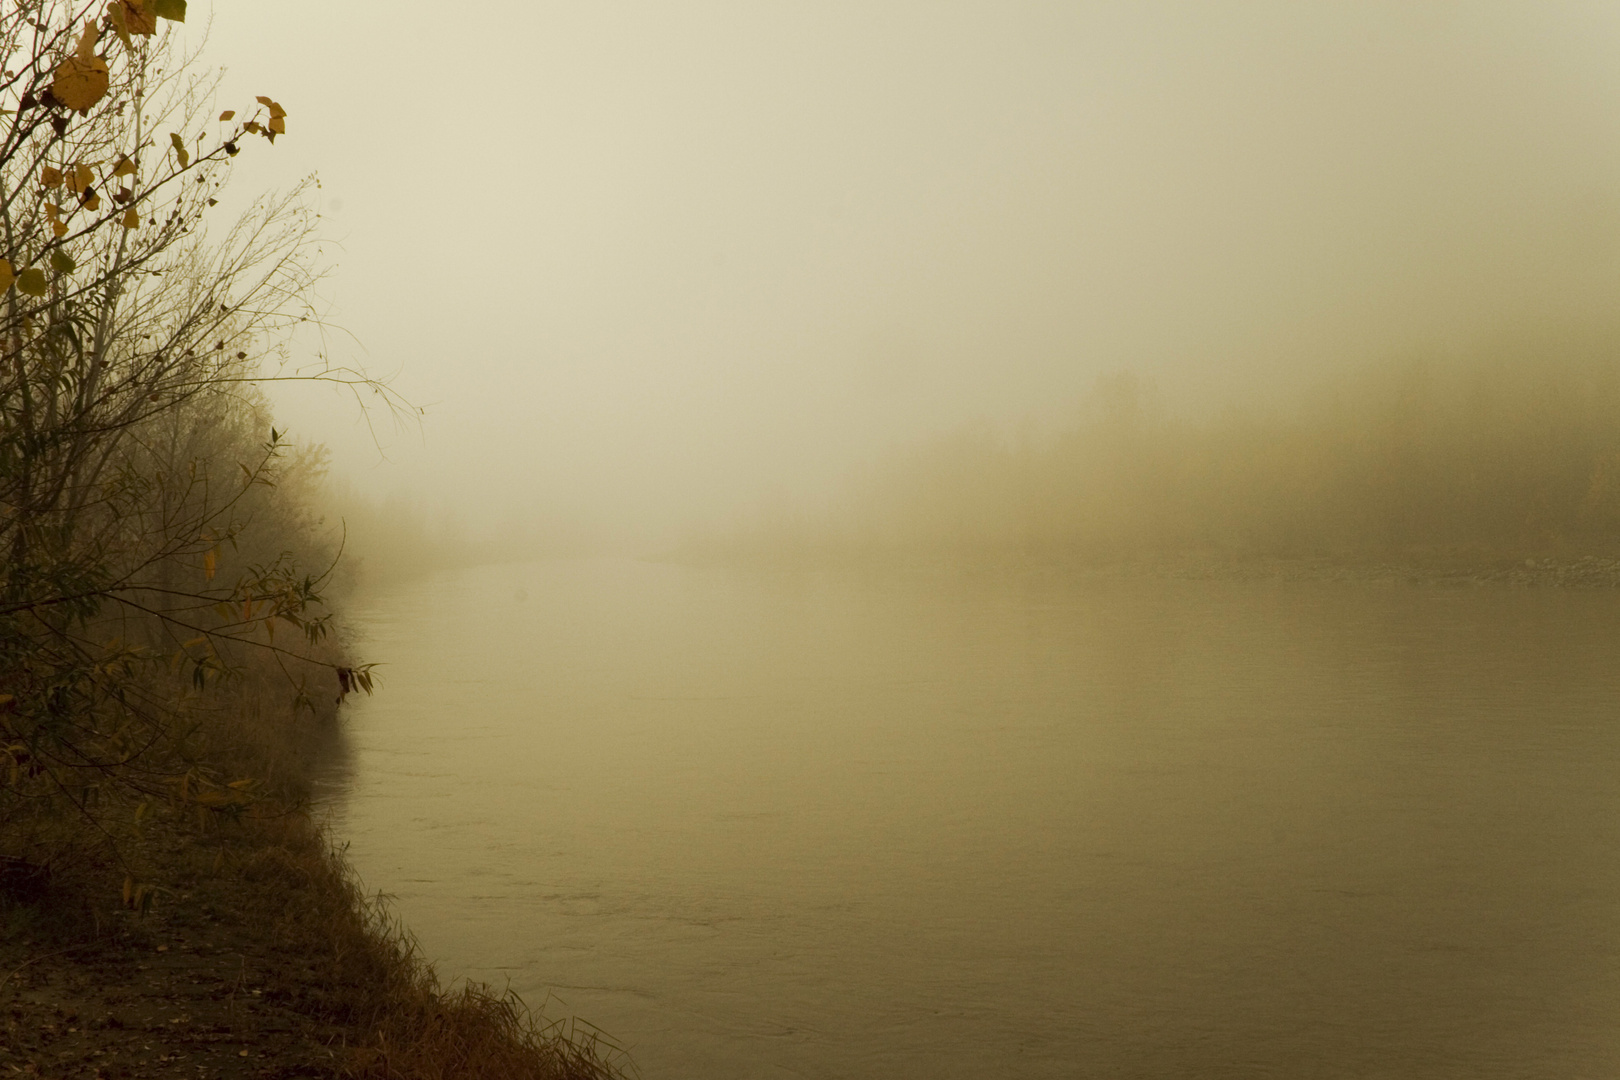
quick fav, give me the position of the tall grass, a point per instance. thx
(359, 968)
(357, 965)
(262, 879)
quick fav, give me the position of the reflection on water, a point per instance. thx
(839, 827)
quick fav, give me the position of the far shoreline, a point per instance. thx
(1582, 571)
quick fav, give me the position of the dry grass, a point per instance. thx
(262, 885)
(361, 970)
(362, 967)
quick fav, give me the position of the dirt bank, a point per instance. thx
(256, 957)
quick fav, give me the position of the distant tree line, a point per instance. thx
(1499, 457)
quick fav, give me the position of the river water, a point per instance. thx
(759, 825)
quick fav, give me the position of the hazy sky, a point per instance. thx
(654, 262)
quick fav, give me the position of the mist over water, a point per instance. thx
(919, 340)
(847, 826)
(657, 268)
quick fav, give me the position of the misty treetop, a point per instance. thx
(1479, 460)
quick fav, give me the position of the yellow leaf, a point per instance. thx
(278, 125)
(125, 166)
(200, 639)
(87, 41)
(92, 203)
(120, 23)
(50, 177)
(83, 177)
(32, 282)
(209, 561)
(59, 228)
(276, 111)
(7, 276)
(180, 150)
(81, 80)
(80, 83)
(132, 220)
(227, 114)
(139, 18)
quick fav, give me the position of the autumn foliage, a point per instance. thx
(152, 543)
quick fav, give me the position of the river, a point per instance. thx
(860, 826)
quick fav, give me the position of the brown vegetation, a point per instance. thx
(166, 658)
(251, 949)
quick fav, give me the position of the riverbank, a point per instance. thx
(260, 956)
(1586, 571)
(865, 824)
(242, 946)
(1437, 569)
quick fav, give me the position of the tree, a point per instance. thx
(143, 546)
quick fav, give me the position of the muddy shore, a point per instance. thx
(258, 956)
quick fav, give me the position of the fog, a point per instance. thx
(1321, 294)
(653, 269)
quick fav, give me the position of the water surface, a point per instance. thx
(839, 826)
